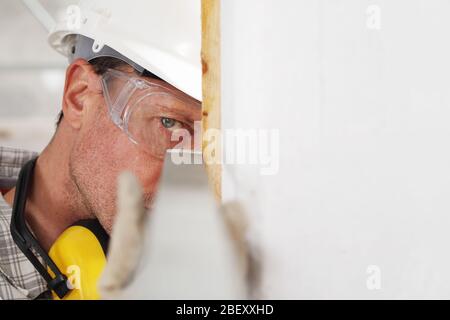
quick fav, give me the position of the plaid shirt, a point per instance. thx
(18, 277)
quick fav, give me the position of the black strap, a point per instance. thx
(25, 240)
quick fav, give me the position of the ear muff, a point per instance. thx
(76, 259)
(80, 254)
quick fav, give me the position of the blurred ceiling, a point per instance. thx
(31, 75)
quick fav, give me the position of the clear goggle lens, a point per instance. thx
(153, 116)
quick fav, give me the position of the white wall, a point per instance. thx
(362, 108)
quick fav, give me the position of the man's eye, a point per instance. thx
(169, 123)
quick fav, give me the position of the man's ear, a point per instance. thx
(80, 76)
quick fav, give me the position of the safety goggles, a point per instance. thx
(154, 117)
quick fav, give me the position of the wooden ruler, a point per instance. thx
(211, 89)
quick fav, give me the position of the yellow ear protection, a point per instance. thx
(76, 259)
(80, 253)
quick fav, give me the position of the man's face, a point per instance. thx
(101, 151)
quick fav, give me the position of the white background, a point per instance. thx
(31, 76)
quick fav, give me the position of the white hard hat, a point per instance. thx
(161, 36)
